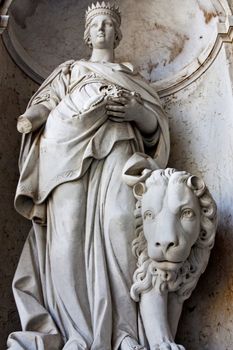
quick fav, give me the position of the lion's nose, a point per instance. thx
(165, 245)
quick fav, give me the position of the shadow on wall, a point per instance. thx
(22, 10)
(15, 91)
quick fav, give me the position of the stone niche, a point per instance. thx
(185, 50)
(167, 41)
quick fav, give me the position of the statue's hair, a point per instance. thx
(183, 283)
(118, 34)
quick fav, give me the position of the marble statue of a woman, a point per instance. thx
(75, 272)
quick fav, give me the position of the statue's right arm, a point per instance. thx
(45, 99)
(34, 117)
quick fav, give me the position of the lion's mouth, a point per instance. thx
(169, 261)
(168, 265)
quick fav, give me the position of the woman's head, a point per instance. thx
(102, 26)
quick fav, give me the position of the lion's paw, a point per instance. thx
(169, 346)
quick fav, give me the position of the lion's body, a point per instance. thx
(176, 225)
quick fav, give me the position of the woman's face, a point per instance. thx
(102, 32)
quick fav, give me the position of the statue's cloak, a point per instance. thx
(46, 163)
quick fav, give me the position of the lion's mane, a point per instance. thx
(147, 276)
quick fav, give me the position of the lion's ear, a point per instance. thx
(138, 190)
(196, 184)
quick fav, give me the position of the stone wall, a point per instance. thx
(15, 91)
(202, 143)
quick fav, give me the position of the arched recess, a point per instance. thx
(170, 43)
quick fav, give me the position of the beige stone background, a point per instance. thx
(201, 120)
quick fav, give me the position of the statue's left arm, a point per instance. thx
(152, 121)
(130, 107)
(149, 119)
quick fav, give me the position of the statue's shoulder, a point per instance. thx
(130, 68)
(80, 68)
(133, 71)
(65, 67)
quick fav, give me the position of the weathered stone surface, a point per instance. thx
(201, 128)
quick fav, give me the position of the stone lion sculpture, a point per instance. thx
(175, 225)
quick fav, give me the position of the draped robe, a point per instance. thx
(73, 279)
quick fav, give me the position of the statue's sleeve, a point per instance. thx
(54, 88)
(50, 93)
(157, 144)
(151, 140)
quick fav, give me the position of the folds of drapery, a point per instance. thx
(41, 322)
(73, 279)
(95, 142)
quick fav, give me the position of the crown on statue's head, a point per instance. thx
(103, 9)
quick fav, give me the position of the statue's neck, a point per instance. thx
(102, 55)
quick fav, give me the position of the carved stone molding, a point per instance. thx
(4, 6)
(193, 71)
(223, 34)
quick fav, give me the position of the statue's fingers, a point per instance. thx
(116, 114)
(118, 120)
(125, 94)
(115, 108)
(118, 100)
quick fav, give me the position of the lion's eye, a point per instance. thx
(187, 214)
(148, 215)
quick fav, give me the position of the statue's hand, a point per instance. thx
(167, 345)
(126, 107)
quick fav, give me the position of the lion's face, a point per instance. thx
(171, 223)
(176, 219)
